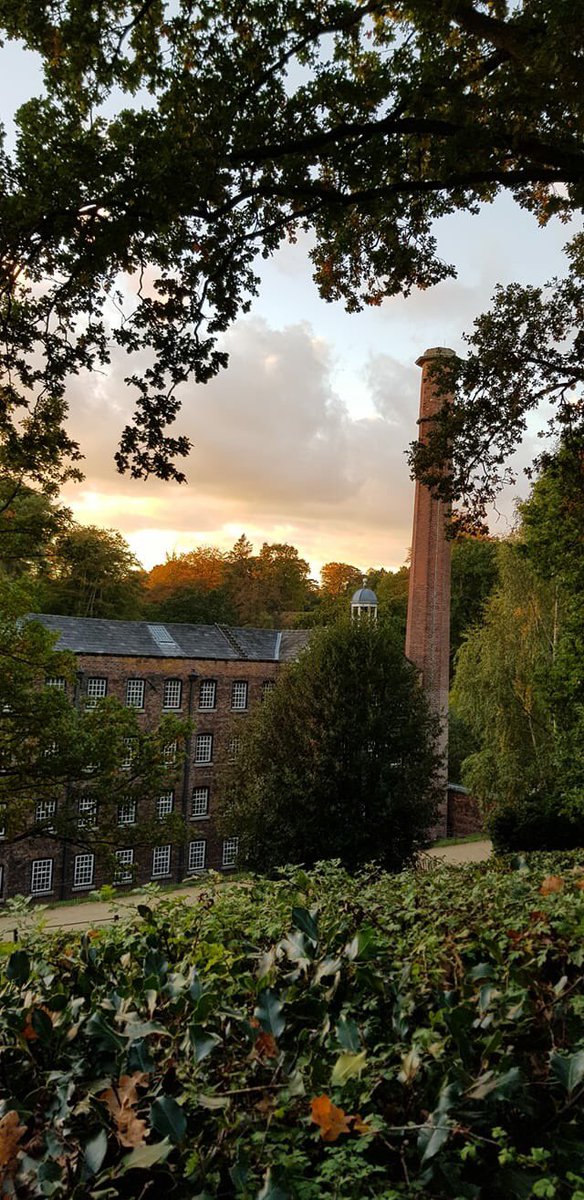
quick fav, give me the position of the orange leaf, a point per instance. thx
(11, 1132)
(551, 883)
(332, 1120)
(580, 884)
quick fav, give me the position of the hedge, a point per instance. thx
(317, 1036)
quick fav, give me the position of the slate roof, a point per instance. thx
(364, 595)
(141, 639)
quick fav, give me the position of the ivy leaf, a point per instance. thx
(569, 1068)
(18, 967)
(269, 1013)
(348, 1066)
(168, 1118)
(95, 1152)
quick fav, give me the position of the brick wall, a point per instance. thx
(222, 723)
(463, 816)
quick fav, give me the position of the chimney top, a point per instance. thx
(435, 352)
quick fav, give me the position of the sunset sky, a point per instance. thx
(302, 438)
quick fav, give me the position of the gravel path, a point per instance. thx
(465, 852)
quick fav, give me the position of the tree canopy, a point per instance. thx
(176, 142)
(339, 761)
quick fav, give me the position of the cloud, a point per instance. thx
(274, 448)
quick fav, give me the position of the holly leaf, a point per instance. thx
(168, 1119)
(18, 967)
(348, 1035)
(269, 1013)
(95, 1152)
(304, 921)
(144, 1157)
(569, 1068)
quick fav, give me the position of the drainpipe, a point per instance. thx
(186, 779)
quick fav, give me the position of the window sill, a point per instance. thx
(167, 875)
(200, 817)
(33, 895)
(166, 709)
(82, 887)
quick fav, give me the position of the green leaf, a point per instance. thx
(304, 921)
(95, 1152)
(168, 1118)
(348, 1066)
(433, 1135)
(569, 1068)
(348, 1035)
(144, 1157)
(269, 1013)
(270, 1190)
(202, 1042)
(18, 967)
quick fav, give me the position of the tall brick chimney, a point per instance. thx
(428, 623)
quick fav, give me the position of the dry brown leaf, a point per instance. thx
(266, 1046)
(551, 883)
(120, 1100)
(331, 1120)
(11, 1133)
(580, 884)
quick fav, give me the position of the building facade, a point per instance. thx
(212, 676)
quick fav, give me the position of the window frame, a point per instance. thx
(92, 699)
(119, 877)
(200, 816)
(42, 862)
(89, 858)
(208, 683)
(169, 684)
(227, 860)
(209, 738)
(168, 856)
(56, 681)
(192, 870)
(164, 797)
(243, 685)
(129, 804)
(141, 685)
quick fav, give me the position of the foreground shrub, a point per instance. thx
(538, 823)
(318, 1036)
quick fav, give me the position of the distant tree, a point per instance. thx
(473, 577)
(500, 686)
(65, 767)
(283, 579)
(193, 605)
(242, 581)
(339, 579)
(30, 520)
(339, 761)
(519, 675)
(201, 570)
(93, 573)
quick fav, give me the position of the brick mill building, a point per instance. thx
(211, 675)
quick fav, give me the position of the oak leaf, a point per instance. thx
(551, 883)
(11, 1133)
(120, 1100)
(331, 1120)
